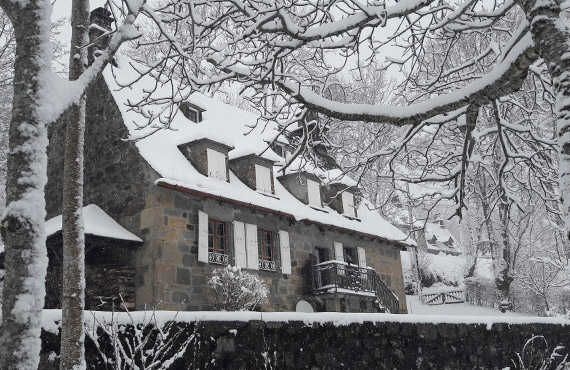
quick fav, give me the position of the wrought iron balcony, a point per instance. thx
(267, 265)
(218, 258)
(340, 277)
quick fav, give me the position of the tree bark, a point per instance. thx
(23, 222)
(73, 297)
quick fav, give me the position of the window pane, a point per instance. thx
(210, 243)
(210, 227)
(220, 229)
(221, 244)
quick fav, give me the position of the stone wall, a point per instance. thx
(116, 176)
(169, 271)
(369, 345)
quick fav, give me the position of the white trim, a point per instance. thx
(338, 252)
(239, 244)
(216, 165)
(314, 193)
(251, 246)
(202, 237)
(348, 204)
(285, 252)
(263, 179)
(361, 257)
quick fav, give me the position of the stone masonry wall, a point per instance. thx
(116, 176)
(169, 271)
(368, 345)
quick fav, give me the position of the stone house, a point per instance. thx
(203, 194)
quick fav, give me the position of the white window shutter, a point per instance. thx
(361, 257)
(338, 252)
(314, 193)
(239, 244)
(262, 178)
(216, 165)
(202, 237)
(285, 252)
(348, 204)
(251, 246)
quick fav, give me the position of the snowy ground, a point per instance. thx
(455, 309)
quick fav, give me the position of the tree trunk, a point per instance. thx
(504, 279)
(73, 297)
(23, 222)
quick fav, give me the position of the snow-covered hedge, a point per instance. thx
(237, 290)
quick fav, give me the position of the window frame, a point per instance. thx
(261, 244)
(214, 247)
(352, 253)
(348, 206)
(316, 200)
(212, 155)
(263, 179)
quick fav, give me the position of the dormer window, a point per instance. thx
(279, 149)
(191, 111)
(348, 204)
(314, 191)
(263, 179)
(216, 165)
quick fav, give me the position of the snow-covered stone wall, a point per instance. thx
(342, 341)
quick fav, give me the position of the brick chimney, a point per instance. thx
(100, 21)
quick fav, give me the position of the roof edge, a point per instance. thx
(402, 244)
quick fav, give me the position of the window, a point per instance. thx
(265, 250)
(322, 254)
(216, 165)
(217, 246)
(314, 193)
(348, 204)
(191, 112)
(263, 179)
(350, 255)
(279, 149)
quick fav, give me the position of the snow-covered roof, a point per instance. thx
(236, 128)
(438, 238)
(97, 222)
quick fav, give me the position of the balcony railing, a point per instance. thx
(218, 258)
(337, 277)
(267, 265)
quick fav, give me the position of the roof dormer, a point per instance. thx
(254, 171)
(209, 157)
(341, 198)
(191, 111)
(304, 186)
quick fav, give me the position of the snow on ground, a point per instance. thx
(415, 307)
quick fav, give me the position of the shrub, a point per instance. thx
(236, 290)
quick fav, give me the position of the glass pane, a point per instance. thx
(210, 227)
(268, 238)
(210, 243)
(221, 244)
(220, 229)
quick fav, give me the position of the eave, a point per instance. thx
(183, 189)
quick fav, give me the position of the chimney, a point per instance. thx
(100, 21)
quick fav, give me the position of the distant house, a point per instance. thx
(440, 240)
(202, 195)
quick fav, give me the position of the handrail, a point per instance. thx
(330, 276)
